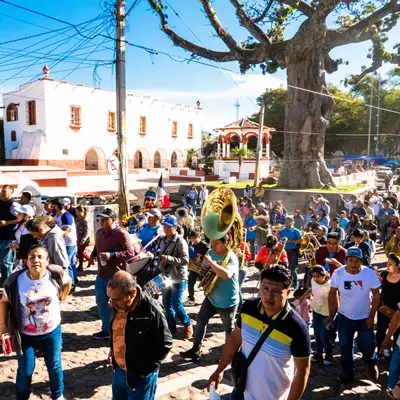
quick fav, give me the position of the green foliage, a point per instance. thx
(241, 153)
(208, 164)
(189, 157)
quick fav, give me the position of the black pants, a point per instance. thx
(382, 326)
(191, 282)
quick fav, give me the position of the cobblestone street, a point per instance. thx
(87, 374)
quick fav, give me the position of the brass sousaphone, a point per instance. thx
(219, 217)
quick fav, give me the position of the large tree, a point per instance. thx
(306, 58)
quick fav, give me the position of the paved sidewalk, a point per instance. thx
(87, 374)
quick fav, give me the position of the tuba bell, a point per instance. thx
(219, 217)
(181, 213)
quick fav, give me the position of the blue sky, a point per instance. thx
(157, 75)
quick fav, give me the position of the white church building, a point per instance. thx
(61, 124)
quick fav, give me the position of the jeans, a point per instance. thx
(207, 311)
(50, 345)
(192, 203)
(323, 336)
(72, 272)
(394, 369)
(292, 257)
(172, 302)
(235, 395)
(6, 259)
(144, 390)
(365, 342)
(191, 282)
(252, 245)
(100, 287)
(242, 278)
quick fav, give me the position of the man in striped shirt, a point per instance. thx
(280, 369)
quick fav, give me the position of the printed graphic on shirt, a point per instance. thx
(37, 315)
(350, 285)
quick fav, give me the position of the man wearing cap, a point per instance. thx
(8, 219)
(335, 227)
(261, 208)
(113, 250)
(152, 228)
(23, 238)
(350, 297)
(358, 241)
(293, 237)
(68, 206)
(150, 193)
(66, 222)
(174, 263)
(332, 255)
(268, 254)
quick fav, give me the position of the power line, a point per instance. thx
(52, 18)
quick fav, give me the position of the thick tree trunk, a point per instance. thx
(307, 113)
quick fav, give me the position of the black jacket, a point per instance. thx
(147, 338)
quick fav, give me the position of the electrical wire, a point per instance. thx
(52, 18)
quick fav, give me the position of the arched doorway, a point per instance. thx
(174, 160)
(234, 142)
(138, 160)
(157, 160)
(95, 160)
(252, 143)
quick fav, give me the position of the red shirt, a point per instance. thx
(265, 256)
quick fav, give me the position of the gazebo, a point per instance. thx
(243, 134)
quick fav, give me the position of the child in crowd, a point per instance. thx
(302, 305)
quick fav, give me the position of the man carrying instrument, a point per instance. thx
(272, 253)
(224, 296)
(197, 250)
(293, 237)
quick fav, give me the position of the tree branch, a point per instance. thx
(363, 30)
(179, 41)
(251, 26)
(219, 29)
(300, 6)
(263, 14)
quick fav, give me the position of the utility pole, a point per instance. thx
(237, 105)
(259, 145)
(370, 125)
(377, 115)
(121, 109)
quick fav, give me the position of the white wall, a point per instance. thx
(53, 117)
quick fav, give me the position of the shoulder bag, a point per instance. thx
(240, 363)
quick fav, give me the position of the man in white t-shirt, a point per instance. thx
(354, 284)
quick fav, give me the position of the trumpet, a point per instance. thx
(274, 257)
(307, 248)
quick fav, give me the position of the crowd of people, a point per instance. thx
(267, 336)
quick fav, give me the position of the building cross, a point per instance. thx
(237, 105)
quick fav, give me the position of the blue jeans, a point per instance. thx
(235, 395)
(242, 278)
(104, 310)
(365, 342)
(394, 369)
(6, 259)
(293, 261)
(50, 345)
(144, 390)
(323, 336)
(191, 202)
(172, 302)
(72, 272)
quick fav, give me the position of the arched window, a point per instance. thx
(157, 160)
(174, 160)
(252, 143)
(12, 112)
(13, 136)
(235, 142)
(138, 160)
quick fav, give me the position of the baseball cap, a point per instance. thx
(171, 221)
(354, 252)
(66, 201)
(155, 212)
(262, 205)
(108, 213)
(27, 210)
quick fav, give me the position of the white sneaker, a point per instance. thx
(189, 303)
